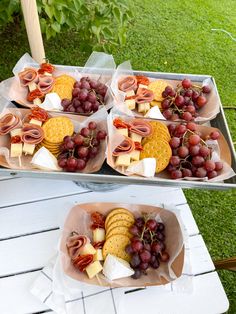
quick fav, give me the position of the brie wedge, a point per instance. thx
(115, 268)
(52, 102)
(145, 167)
(45, 160)
(154, 113)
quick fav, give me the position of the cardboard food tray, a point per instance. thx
(107, 175)
(78, 220)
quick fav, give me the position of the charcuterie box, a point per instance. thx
(108, 175)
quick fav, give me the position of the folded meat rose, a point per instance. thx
(9, 122)
(32, 133)
(128, 83)
(28, 76)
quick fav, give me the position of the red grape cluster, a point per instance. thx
(147, 248)
(191, 157)
(87, 96)
(185, 101)
(78, 149)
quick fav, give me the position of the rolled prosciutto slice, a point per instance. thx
(144, 95)
(74, 244)
(45, 83)
(8, 123)
(141, 127)
(28, 76)
(126, 147)
(32, 133)
(128, 83)
(82, 261)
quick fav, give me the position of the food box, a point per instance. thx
(24, 162)
(99, 67)
(78, 220)
(205, 113)
(116, 139)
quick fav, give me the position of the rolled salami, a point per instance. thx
(128, 83)
(74, 244)
(32, 133)
(141, 127)
(45, 83)
(8, 123)
(144, 96)
(126, 147)
(29, 75)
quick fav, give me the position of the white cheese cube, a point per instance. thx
(135, 155)
(123, 131)
(87, 249)
(129, 93)
(115, 268)
(136, 137)
(123, 160)
(37, 102)
(32, 86)
(141, 86)
(28, 148)
(37, 122)
(93, 269)
(130, 103)
(15, 132)
(98, 235)
(143, 107)
(16, 150)
(98, 255)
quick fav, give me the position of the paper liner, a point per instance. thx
(99, 66)
(78, 220)
(223, 151)
(208, 112)
(93, 165)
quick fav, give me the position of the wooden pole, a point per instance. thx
(30, 12)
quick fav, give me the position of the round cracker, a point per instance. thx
(120, 216)
(55, 129)
(117, 211)
(116, 245)
(119, 223)
(158, 87)
(119, 230)
(159, 149)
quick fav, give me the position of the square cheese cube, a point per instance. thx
(98, 255)
(123, 131)
(130, 103)
(16, 150)
(93, 269)
(98, 235)
(123, 160)
(37, 122)
(143, 107)
(87, 249)
(141, 86)
(135, 155)
(129, 93)
(32, 86)
(136, 137)
(37, 101)
(28, 148)
(15, 132)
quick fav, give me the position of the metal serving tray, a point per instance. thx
(107, 175)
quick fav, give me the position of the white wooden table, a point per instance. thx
(31, 211)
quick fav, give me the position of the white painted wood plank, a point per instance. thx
(49, 214)
(188, 219)
(208, 297)
(34, 251)
(19, 190)
(200, 258)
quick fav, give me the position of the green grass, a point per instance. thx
(171, 36)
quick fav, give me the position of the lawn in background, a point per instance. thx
(170, 36)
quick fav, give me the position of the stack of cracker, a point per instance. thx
(55, 129)
(117, 226)
(63, 86)
(157, 146)
(158, 87)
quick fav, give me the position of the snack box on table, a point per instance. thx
(78, 220)
(108, 175)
